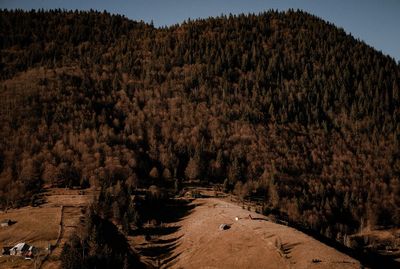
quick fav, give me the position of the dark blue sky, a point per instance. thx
(373, 21)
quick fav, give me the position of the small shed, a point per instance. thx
(5, 223)
(224, 226)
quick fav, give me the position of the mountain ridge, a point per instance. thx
(281, 106)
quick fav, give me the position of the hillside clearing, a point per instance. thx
(195, 241)
(51, 223)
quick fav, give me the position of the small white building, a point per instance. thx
(22, 249)
(5, 223)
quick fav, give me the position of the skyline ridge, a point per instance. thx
(372, 22)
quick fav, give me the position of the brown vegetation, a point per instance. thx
(282, 106)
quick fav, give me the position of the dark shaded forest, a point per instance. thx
(280, 105)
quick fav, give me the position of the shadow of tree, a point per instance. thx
(157, 250)
(159, 230)
(169, 211)
(265, 219)
(166, 241)
(161, 237)
(287, 247)
(168, 262)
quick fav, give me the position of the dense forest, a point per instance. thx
(280, 105)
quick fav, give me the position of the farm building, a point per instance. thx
(22, 249)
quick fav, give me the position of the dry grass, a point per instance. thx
(67, 197)
(40, 226)
(15, 262)
(248, 243)
(195, 240)
(73, 201)
(34, 225)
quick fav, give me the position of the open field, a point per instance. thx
(51, 223)
(67, 197)
(35, 226)
(189, 236)
(74, 203)
(194, 240)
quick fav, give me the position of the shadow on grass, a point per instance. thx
(168, 262)
(260, 219)
(159, 231)
(287, 247)
(161, 237)
(156, 250)
(170, 211)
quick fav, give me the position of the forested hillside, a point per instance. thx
(281, 105)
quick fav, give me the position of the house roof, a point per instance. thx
(20, 247)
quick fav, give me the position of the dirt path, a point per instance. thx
(73, 205)
(195, 241)
(51, 223)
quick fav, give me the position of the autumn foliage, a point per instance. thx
(283, 106)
